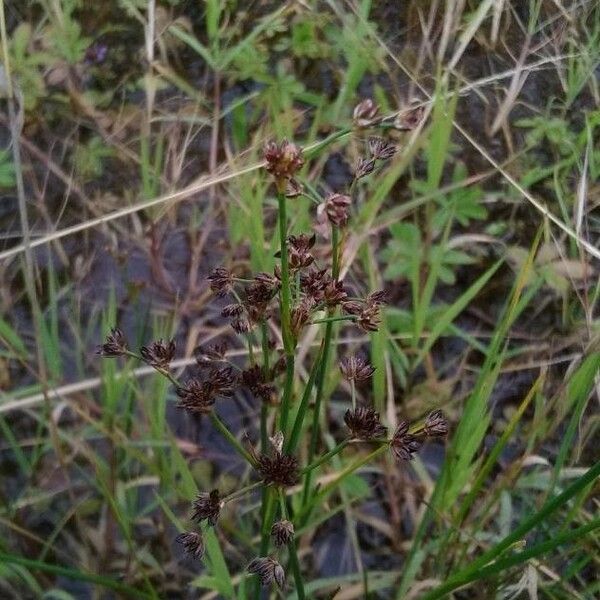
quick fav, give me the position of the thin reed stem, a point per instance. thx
(294, 562)
(288, 342)
(321, 378)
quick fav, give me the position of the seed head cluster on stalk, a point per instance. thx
(301, 292)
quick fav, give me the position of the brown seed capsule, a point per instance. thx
(232, 310)
(207, 354)
(365, 113)
(369, 319)
(403, 444)
(196, 396)
(364, 423)
(241, 325)
(364, 167)
(284, 160)
(355, 368)
(158, 354)
(312, 283)
(278, 469)
(380, 297)
(268, 571)
(334, 293)
(436, 424)
(254, 379)
(114, 345)
(282, 532)
(221, 281)
(207, 507)
(337, 207)
(299, 251)
(352, 307)
(192, 542)
(300, 315)
(380, 149)
(409, 119)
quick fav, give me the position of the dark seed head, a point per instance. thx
(282, 532)
(207, 354)
(436, 424)
(369, 319)
(364, 167)
(403, 444)
(355, 368)
(300, 315)
(352, 307)
(159, 354)
(114, 345)
(337, 207)
(268, 571)
(409, 119)
(197, 396)
(365, 112)
(232, 310)
(241, 325)
(379, 297)
(278, 469)
(192, 542)
(299, 251)
(364, 423)
(284, 160)
(221, 281)
(380, 149)
(207, 506)
(254, 379)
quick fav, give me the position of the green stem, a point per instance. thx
(334, 319)
(306, 509)
(231, 438)
(286, 334)
(294, 562)
(242, 492)
(294, 438)
(264, 409)
(322, 372)
(322, 459)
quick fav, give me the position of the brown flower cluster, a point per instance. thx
(198, 395)
(283, 160)
(404, 444)
(114, 345)
(268, 571)
(257, 296)
(364, 423)
(367, 311)
(207, 507)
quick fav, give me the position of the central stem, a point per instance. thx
(285, 296)
(323, 370)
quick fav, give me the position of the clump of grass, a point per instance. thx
(303, 291)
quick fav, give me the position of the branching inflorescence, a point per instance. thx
(300, 293)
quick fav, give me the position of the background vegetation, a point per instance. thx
(130, 167)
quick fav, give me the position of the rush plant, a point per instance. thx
(305, 291)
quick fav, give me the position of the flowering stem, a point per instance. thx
(351, 468)
(294, 562)
(264, 408)
(292, 443)
(336, 450)
(242, 492)
(334, 319)
(231, 438)
(288, 342)
(353, 387)
(322, 371)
